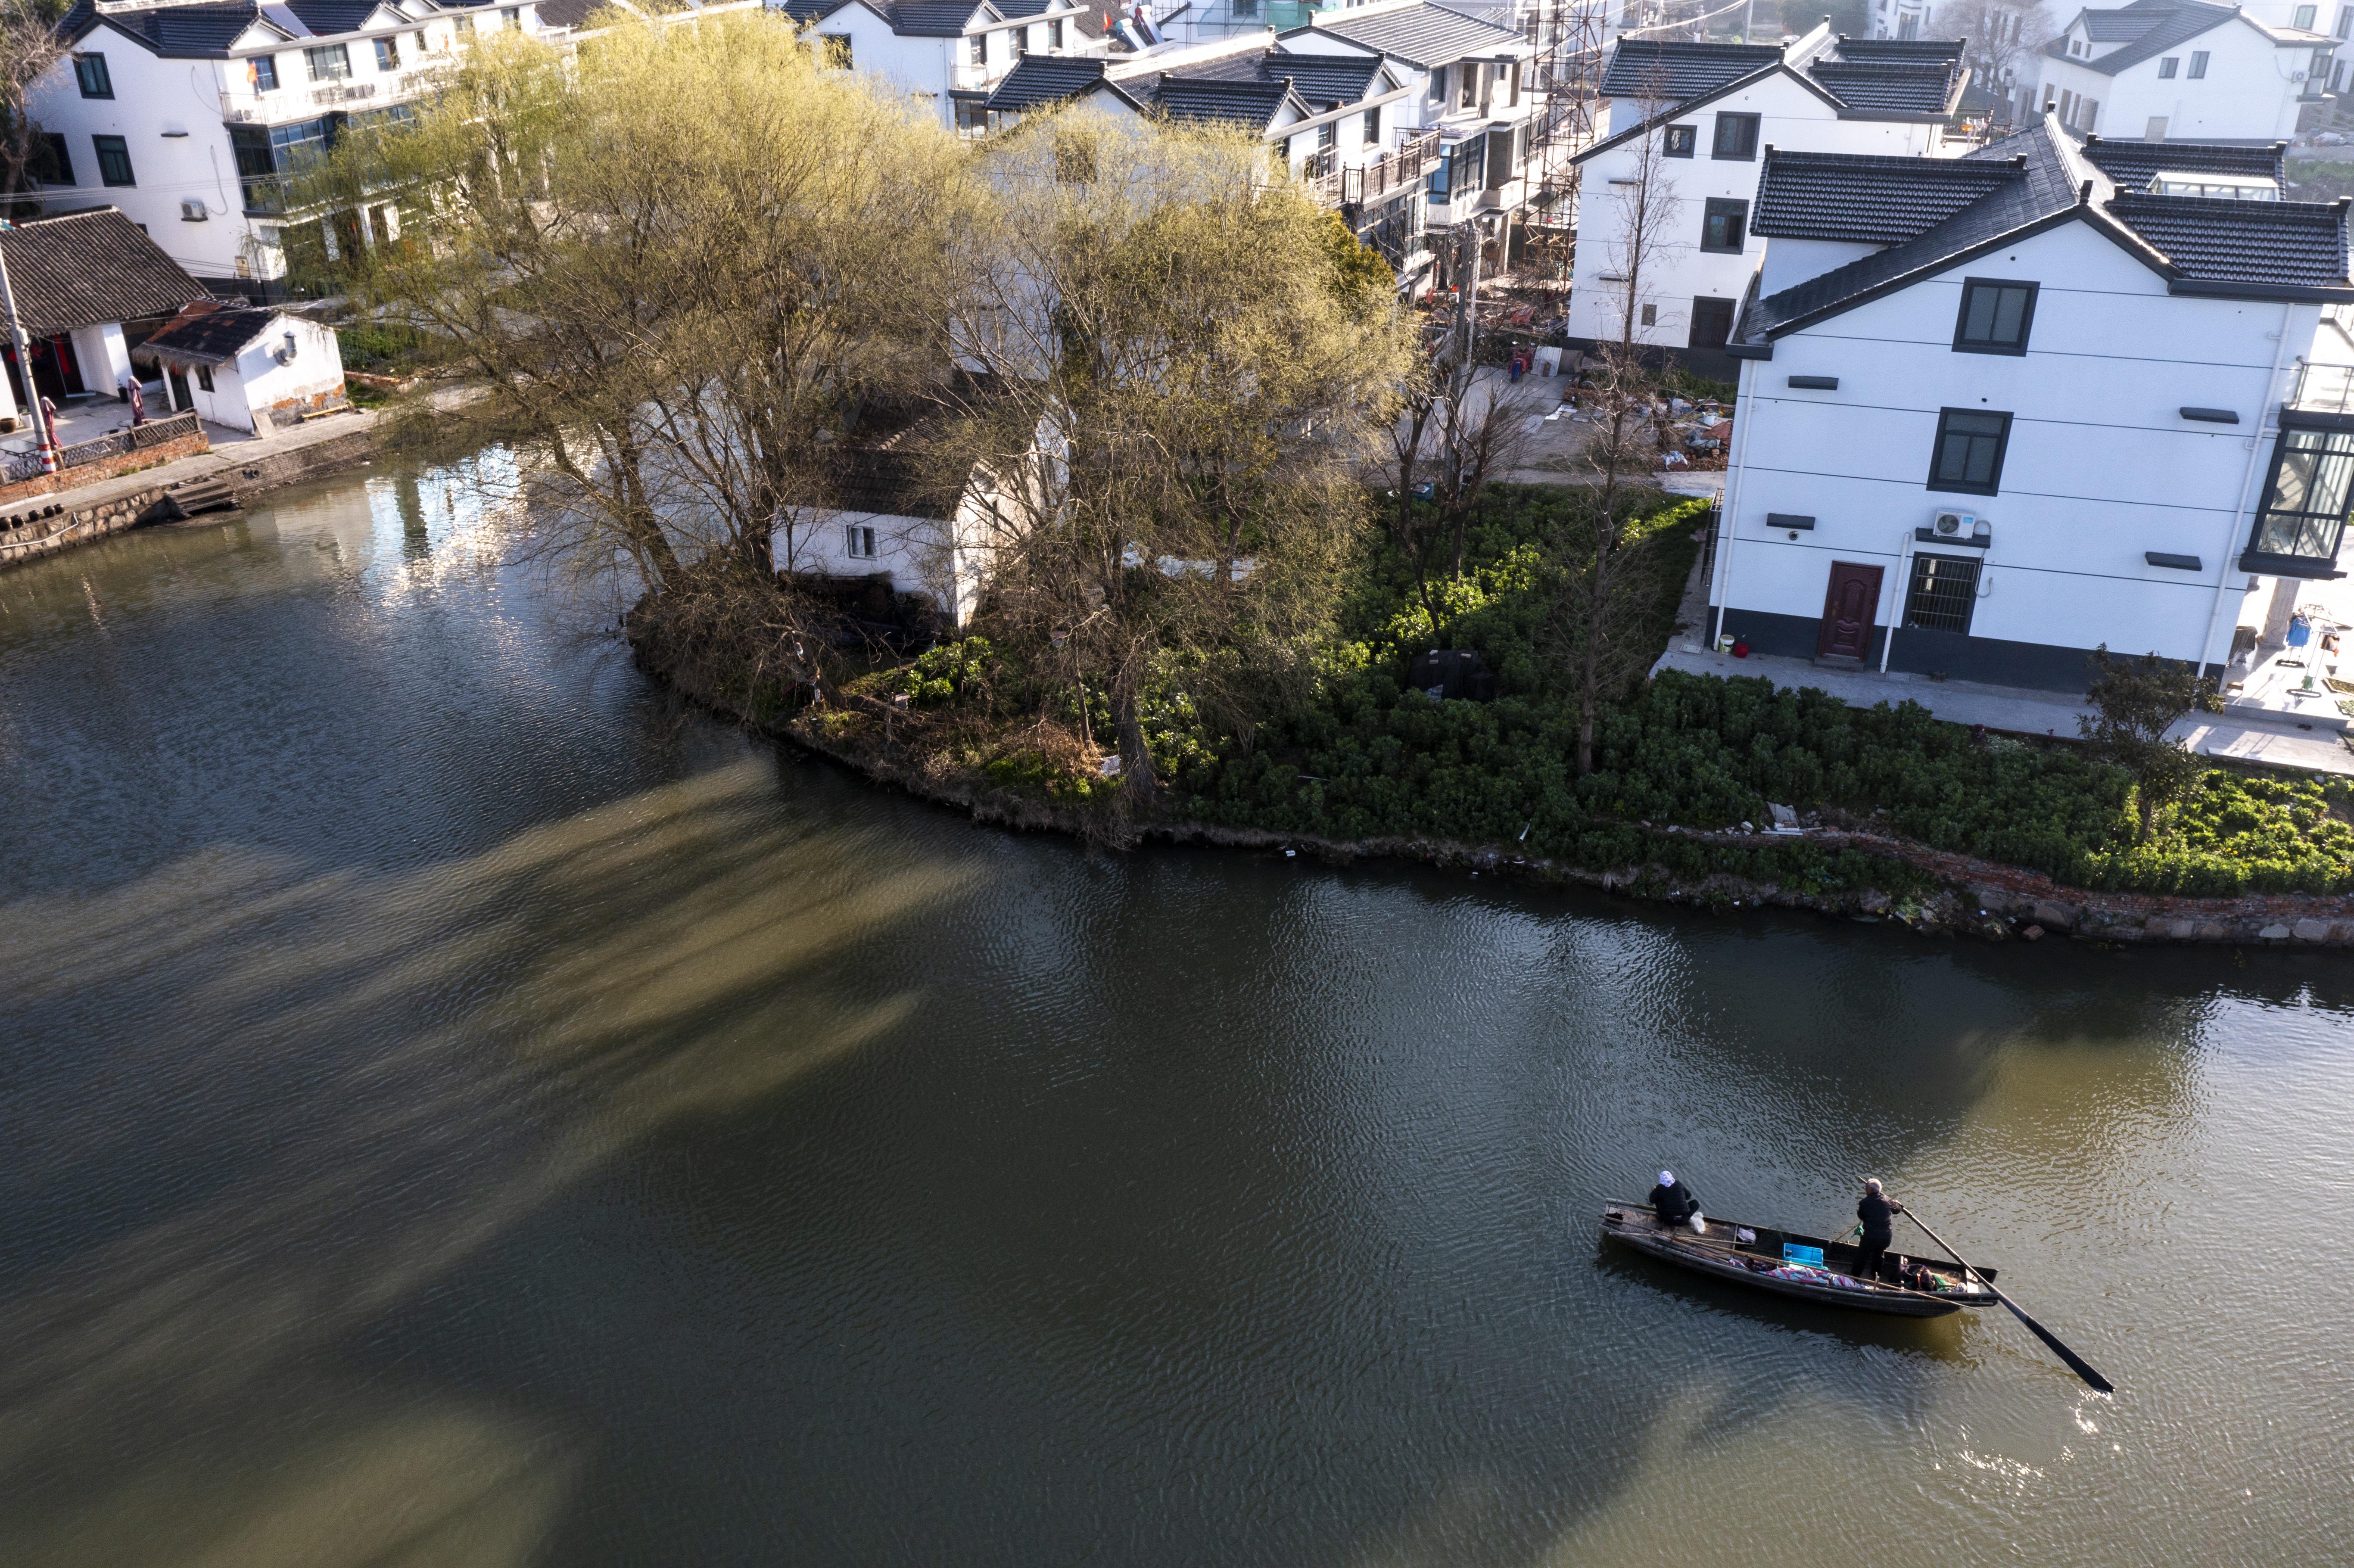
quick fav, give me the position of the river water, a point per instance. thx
(460, 1111)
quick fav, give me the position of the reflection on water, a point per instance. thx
(467, 1113)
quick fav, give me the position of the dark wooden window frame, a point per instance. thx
(1726, 208)
(1746, 149)
(1993, 486)
(92, 77)
(1964, 344)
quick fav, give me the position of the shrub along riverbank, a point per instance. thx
(1370, 758)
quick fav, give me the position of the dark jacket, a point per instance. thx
(1878, 1229)
(1674, 1205)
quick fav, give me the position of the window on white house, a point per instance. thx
(1736, 137)
(981, 49)
(328, 62)
(1439, 84)
(1969, 451)
(2166, 67)
(1724, 226)
(834, 50)
(113, 161)
(1996, 316)
(2306, 498)
(2305, 17)
(1020, 39)
(388, 54)
(858, 541)
(91, 76)
(204, 378)
(2090, 119)
(972, 119)
(512, 17)
(2346, 21)
(61, 171)
(265, 73)
(1942, 593)
(1054, 34)
(1682, 141)
(1651, 316)
(1327, 136)
(1374, 126)
(2197, 65)
(1467, 88)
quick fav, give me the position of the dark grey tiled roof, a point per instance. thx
(91, 267)
(1672, 72)
(1421, 36)
(2132, 164)
(1326, 82)
(1039, 79)
(801, 11)
(1207, 102)
(1892, 86)
(209, 331)
(2273, 243)
(325, 17)
(2153, 25)
(1870, 198)
(573, 13)
(2117, 26)
(930, 19)
(1917, 51)
(174, 32)
(2261, 248)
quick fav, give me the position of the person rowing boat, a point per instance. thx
(1876, 1213)
(1674, 1205)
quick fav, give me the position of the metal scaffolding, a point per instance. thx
(1568, 34)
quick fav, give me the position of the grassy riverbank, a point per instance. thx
(1366, 758)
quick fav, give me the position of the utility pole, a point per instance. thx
(41, 431)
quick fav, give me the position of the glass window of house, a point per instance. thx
(1374, 126)
(2198, 64)
(1943, 591)
(2166, 67)
(979, 48)
(388, 54)
(113, 161)
(90, 74)
(1996, 316)
(1736, 136)
(265, 73)
(834, 50)
(2304, 514)
(328, 62)
(2305, 16)
(1682, 141)
(1054, 34)
(1969, 451)
(1439, 84)
(1724, 226)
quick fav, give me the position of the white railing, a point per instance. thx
(2324, 390)
(344, 92)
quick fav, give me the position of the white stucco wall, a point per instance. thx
(2100, 467)
(2248, 94)
(1679, 271)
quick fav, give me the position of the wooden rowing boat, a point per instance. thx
(1753, 1256)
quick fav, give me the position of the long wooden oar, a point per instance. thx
(2076, 1364)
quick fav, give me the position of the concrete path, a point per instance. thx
(2016, 709)
(226, 458)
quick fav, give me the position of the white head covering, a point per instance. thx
(1667, 1178)
(1872, 1183)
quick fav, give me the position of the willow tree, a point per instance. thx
(673, 268)
(1178, 380)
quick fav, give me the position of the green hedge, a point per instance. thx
(1373, 759)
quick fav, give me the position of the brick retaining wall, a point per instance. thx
(105, 468)
(57, 528)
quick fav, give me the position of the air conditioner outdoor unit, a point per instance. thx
(192, 210)
(1956, 524)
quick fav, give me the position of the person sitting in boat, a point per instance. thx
(1914, 1274)
(1674, 1205)
(1879, 1228)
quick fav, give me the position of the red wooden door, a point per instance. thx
(1850, 608)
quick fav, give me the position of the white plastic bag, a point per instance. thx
(1699, 1224)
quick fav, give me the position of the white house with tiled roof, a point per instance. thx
(1700, 117)
(953, 52)
(189, 117)
(2182, 70)
(1996, 412)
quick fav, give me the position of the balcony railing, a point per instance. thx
(19, 466)
(2324, 390)
(344, 92)
(1371, 181)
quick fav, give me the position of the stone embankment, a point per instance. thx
(182, 485)
(1971, 897)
